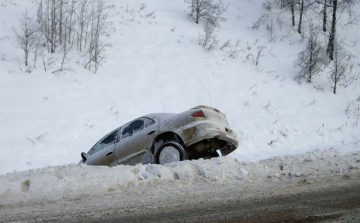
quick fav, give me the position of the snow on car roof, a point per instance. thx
(159, 116)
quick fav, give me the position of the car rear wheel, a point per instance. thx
(170, 152)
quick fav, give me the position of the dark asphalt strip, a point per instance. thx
(340, 205)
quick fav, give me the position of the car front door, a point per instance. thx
(102, 152)
(136, 139)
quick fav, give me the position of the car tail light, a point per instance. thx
(198, 114)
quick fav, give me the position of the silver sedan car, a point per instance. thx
(201, 132)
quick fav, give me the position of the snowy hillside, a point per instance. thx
(155, 64)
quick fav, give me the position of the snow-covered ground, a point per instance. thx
(76, 181)
(156, 65)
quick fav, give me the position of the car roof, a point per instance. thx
(159, 116)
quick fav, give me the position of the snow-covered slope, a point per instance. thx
(156, 65)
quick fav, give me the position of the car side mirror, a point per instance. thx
(83, 156)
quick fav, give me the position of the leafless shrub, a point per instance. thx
(259, 22)
(250, 57)
(256, 59)
(64, 57)
(272, 142)
(259, 55)
(207, 10)
(226, 45)
(234, 50)
(352, 111)
(142, 7)
(150, 15)
(42, 136)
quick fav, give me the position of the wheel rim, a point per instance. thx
(169, 154)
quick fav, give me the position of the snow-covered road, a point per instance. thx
(218, 189)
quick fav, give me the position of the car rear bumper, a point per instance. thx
(202, 130)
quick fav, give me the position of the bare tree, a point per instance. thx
(40, 12)
(207, 10)
(83, 23)
(26, 37)
(301, 16)
(310, 60)
(325, 16)
(65, 50)
(36, 49)
(330, 47)
(335, 5)
(72, 12)
(341, 73)
(98, 30)
(303, 6)
(292, 6)
(53, 11)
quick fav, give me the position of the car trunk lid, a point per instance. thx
(212, 114)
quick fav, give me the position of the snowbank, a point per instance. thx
(76, 181)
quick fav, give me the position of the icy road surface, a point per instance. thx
(318, 186)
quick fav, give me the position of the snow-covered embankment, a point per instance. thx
(76, 181)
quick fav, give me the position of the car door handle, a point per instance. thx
(151, 132)
(109, 153)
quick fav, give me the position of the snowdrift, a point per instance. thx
(77, 181)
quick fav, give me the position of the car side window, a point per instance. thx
(148, 122)
(107, 141)
(132, 128)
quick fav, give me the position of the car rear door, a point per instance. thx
(136, 140)
(103, 153)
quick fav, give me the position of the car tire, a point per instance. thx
(170, 151)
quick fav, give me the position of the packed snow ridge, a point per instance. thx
(76, 181)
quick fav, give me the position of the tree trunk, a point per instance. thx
(61, 20)
(48, 15)
(330, 47)
(197, 15)
(325, 17)
(301, 16)
(53, 26)
(310, 61)
(293, 12)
